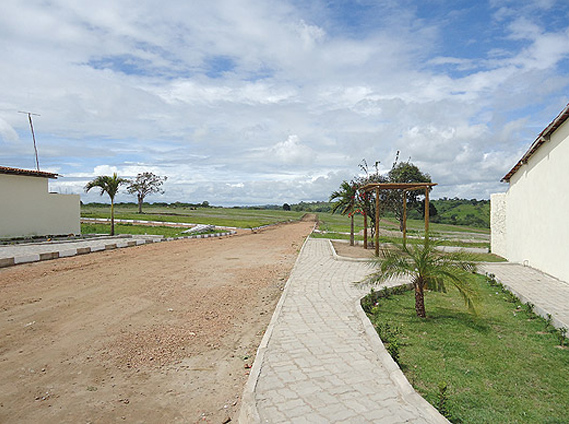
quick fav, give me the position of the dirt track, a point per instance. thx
(156, 334)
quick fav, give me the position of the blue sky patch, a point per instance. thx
(218, 66)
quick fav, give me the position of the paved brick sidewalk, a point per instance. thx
(548, 294)
(321, 361)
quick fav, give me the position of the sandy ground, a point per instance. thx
(159, 333)
(347, 251)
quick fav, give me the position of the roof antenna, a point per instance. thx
(33, 135)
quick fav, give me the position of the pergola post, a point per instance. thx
(365, 230)
(404, 218)
(398, 186)
(377, 221)
(426, 212)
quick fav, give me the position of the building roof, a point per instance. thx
(541, 138)
(27, 172)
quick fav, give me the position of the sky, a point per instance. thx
(252, 102)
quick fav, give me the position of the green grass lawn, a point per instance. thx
(337, 227)
(503, 365)
(339, 223)
(244, 218)
(135, 229)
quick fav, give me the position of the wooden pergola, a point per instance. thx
(398, 186)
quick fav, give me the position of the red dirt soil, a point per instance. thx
(160, 333)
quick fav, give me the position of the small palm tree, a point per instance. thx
(428, 269)
(345, 201)
(109, 185)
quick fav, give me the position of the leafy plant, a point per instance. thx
(389, 335)
(442, 400)
(345, 202)
(427, 268)
(109, 185)
(562, 335)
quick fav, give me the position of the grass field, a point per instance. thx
(136, 229)
(338, 223)
(333, 225)
(243, 218)
(503, 365)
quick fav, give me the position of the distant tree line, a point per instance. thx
(173, 205)
(469, 212)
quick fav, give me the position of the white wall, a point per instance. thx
(27, 209)
(498, 239)
(536, 210)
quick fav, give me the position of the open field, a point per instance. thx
(503, 365)
(336, 226)
(233, 217)
(97, 228)
(155, 333)
(338, 223)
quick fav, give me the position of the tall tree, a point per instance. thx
(366, 200)
(405, 172)
(109, 185)
(345, 202)
(428, 269)
(145, 184)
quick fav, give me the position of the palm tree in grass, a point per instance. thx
(345, 202)
(109, 185)
(428, 268)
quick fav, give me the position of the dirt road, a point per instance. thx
(159, 333)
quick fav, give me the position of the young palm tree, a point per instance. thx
(109, 185)
(428, 268)
(345, 202)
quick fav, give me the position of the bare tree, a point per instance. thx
(145, 184)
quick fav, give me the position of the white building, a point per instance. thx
(28, 209)
(530, 222)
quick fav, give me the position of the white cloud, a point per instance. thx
(244, 101)
(292, 152)
(7, 133)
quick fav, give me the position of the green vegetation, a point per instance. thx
(472, 213)
(232, 217)
(502, 365)
(145, 184)
(137, 229)
(427, 268)
(475, 213)
(109, 185)
(338, 227)
(338, 223)
(345, 203)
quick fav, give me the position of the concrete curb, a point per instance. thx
(66, 251)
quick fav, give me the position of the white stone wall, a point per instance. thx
(498, 240)
(536, 209)
(28, 209)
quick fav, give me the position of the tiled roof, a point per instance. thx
(27, 172)
(541, 138)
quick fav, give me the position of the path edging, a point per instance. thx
(121, 243)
